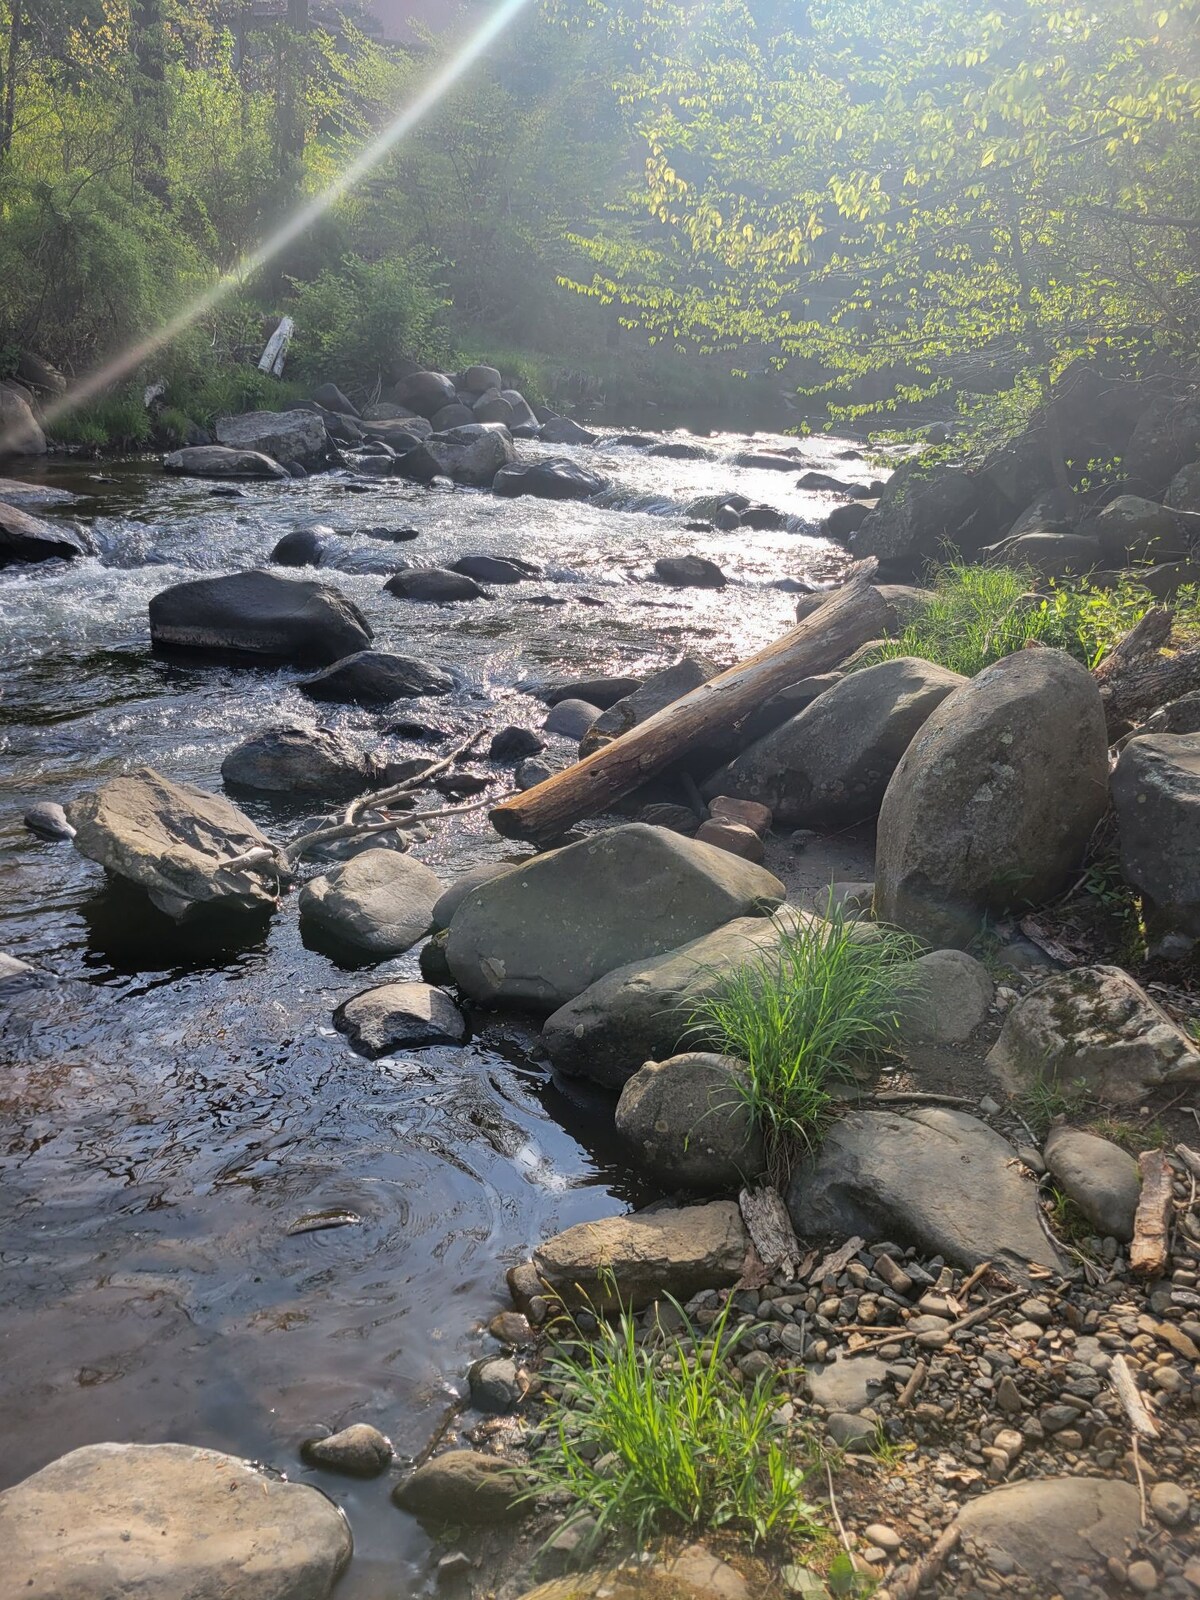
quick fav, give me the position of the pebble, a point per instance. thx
(887, 1539)
(1169, 1379)
(1008, 1396)
(1169, 1503)
(495, 1384)
(360, 1450)
(510, 1327)
(1142, 1576)
(893, 1275)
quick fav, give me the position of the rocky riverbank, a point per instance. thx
(972, 1300)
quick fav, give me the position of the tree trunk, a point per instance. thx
(847, 620)
(15, 31)
(150, 103)
(293, 91)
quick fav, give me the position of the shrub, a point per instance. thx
(653, 1437)
(116, 421)
(352, 324)
(803, 1017)
(978, 615)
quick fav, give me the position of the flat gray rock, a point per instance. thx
(165, 1521)
(1045, 1524)
(380, 903)
(846, 1384)
(172, 840)
(281, 435)
(399, 1016)
(936, 1179)
(634, 1259)
(221, 461)
(26, 538)
(540, 935)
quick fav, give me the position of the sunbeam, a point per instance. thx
(129, 360)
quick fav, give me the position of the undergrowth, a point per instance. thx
(658, 1437)
(803, 1017)
(977, 615)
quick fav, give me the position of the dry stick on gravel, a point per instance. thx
(770, 1229)
(980, 1314)
(914, 1385)
(1140, 1419)
(1152, 1221)
(1190, 1159)
(923, 1571)
(901, 1097)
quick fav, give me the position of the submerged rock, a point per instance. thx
(628, 1261)
(399, 1016)
(1093, 1025)
(496, 569)
(541, 934)
(24, 537)
(376, 678)
(435, 585)
(563, 430)
(937, 1179)
(688, 1122)
(172, 840)
(548, 480)
(48, 820)
(163, 1521)
(218, 461)
(689, 572)
(259, 613)
(381, 902)
(995, 799)
(292, 760)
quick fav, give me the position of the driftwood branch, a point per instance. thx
(1152, 1220)
(1134, 1406)
(770, 1229)
(853, 615)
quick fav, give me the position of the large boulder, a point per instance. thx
(492, 407)
(425, 392)
(629, 1261)
(1131, 528)
(381, 902)
(523, 415)
(282, 435)
(168, 1521)
(995, 799)
(541, 934)
(1100, 1177)
(1093, 1026)
(376, 678)
(689, 1124)
(20, 432)
(659, 690)
(940, 1180)
(457, 416)
(920, 511)
(1156, 795)
(24, 537)
(1047, 1528)
(400, 1016)
(1165, 439)
(171, 839)
(550, 479)
(464, 1486)
(330, 398)
(304, 761)
(473, 455)
(478, 379)
(220, 461)
(833, 762)
(641, 1011)
(1183, 491)
(261, 614)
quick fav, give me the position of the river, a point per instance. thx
(180, 1104)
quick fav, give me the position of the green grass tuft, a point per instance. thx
(803, 1017)
(660, 1436)
(978, 615)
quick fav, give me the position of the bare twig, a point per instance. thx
(927, 1568)
(914, 1385)
(1140, 1419)
(1152, 1221)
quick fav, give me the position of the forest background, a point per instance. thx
(716, 211)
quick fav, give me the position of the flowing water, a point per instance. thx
(175, 1110)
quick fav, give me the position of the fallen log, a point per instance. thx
(853, 615)
(1152, 1220)
(1143, 673)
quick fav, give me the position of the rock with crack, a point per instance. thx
(689, 1124)
(641, 1011)
(1046, 1525)
(465, 1486)
(376, 678)
(162, 1521)
(260, 614)
(832, 763)
(1093, 1026)
(629, 1261)
(940, 1180)
(305, 761)
(399, 1016)
(1098, 1175)
(173, 840)
(994, 801)
(540, 935)
(380, 903)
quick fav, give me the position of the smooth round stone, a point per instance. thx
(1142, 1577)
(886, 1538)
(1169, 1503)
(510, 1327)
(495, 1386)
(360, 1450)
